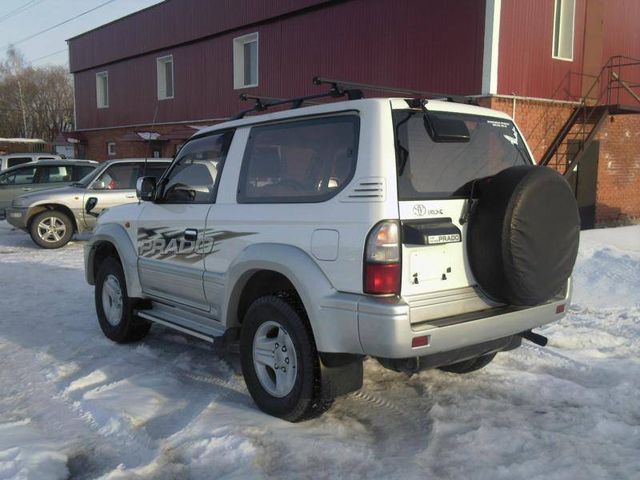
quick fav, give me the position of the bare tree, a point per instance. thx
(34, 101)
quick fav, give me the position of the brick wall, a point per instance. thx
(618, 184)
(95, 147)
(618, 190)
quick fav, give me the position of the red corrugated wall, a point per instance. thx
(421, 44)
(526, 66)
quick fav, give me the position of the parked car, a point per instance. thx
(45, 174)
(418, 232)
(51, 217)
(14, 159)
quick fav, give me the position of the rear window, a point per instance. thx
(299, 161)
(429, 169)
(12, 162)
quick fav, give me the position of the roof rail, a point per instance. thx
(263, 103)
(343, 84)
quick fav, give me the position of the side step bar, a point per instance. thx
(147, 316)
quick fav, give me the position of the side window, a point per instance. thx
(194, 175)
(301, 161)
(53, 174)
(12, 162)
(563, 29)
(245, 61)
(154, 169)
(81, 171)
(121, 176)
(22, 176)
(164, 68)
(102, 89)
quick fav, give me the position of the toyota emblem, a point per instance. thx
(419, 210)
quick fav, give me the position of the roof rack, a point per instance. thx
(263, 103)
(343, 84)
(342, 88)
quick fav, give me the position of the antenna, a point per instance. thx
(153, 124)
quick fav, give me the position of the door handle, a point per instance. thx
(25, 189)
(130, 196)
(191, 234)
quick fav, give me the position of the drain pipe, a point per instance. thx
(513, 106)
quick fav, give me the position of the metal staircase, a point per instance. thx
(609, 94)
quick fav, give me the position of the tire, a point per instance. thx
(523, 235)
(470, 365)
(281, 328)
(116, 317)
(51, 229)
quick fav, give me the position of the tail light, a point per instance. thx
(382, 268)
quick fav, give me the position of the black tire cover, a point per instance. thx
(523, 235)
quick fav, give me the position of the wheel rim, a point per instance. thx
(112, 300)
(51, 229)
(274, 359)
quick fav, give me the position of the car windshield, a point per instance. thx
(437, 169)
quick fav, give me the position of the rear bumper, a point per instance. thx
(385, 328)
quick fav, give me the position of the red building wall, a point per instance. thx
(422, 44)
(526, 66)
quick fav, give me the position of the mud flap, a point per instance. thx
(340, 373)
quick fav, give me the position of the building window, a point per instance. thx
(245, 61)
(102, 89)
(563, 29)
(111, 149)
(164, 67)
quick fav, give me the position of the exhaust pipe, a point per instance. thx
(535, 338)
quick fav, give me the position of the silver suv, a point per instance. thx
(34, 176)
(418, 232)
(51, 217)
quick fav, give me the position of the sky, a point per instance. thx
(20, 19)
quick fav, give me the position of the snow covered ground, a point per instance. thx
(73, 404)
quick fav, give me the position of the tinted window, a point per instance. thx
(12, 162)
(302, 161)
(123, 176)
(194, 176)
(79, 171)
(22, 176)
(53, 174)
(428, 169)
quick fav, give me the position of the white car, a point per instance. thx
(14, 159)
(415, 231)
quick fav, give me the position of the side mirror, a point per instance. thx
(146, 188)
(90, 205)
(99, 186)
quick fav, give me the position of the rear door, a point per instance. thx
(438, 158)
(15, 183)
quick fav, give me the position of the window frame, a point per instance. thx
(162, 181)
(241, 197)
(238, 60)
(102, 77)
(161, 63)
(557, 31)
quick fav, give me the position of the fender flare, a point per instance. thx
(117, 236)
(332, 332)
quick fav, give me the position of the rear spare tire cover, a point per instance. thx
(522, 238)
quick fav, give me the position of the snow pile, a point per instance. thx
(73, 404)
